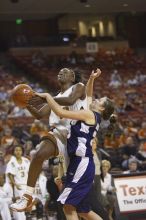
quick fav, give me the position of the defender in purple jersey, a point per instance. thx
(81, 170)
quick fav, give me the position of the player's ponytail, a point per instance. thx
(108, 109)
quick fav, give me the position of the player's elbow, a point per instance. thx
(59, 113)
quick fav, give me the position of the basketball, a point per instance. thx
(21, 94)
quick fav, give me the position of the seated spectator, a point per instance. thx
(141, 155)
(130, 148)
(8, 141)
(111, 141)
(128, 105)
(38, 128)
(38, 59)
(28, 146)
(73, 58)
(132, 165)
(140, 77)
(89, 59)
(116, 80)
(18, 112)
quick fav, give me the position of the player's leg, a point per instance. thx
(70, 212)
(47, 148)
(4, 210)
(90, 216)
(19, 194)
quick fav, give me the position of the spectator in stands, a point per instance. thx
(3, 94)
(141, 155)
(130, 148)
(73, 58)
(38, 128)
(8, 141)
(132, 165)
(107, 188)
(115, 80)
(6, 194)
(28, 146)
(89, 59)
(128, 105)
(140, 77)
(38, 59)
(18, 112)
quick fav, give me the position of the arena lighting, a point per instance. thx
(65, 39)
(19, 21)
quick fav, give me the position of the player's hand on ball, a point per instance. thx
(36, 100)
(95, 74)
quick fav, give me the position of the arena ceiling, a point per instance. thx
(42, 9)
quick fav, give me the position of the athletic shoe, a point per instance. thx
(23, 204)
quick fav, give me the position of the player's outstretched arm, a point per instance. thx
(78, 92)
(83, 115)
(90, 83)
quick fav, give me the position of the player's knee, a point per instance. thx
(40, 155)
(68, 209)
(88, 215)
(45, 150)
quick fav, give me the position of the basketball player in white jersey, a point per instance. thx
(73, 95)
(6, 195)
(17, 171)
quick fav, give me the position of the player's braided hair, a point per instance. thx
(109, 109)
(78, 75)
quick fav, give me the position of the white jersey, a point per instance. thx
(6, 193)
(20, 171)
(64, 124)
